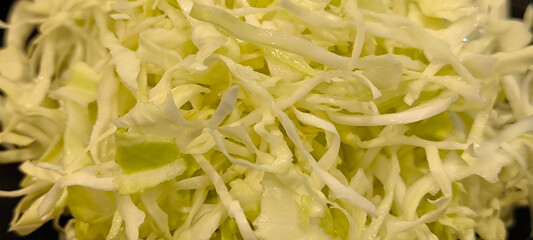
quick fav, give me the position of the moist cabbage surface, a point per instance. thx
(268, 119)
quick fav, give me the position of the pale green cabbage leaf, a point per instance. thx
(268, 119)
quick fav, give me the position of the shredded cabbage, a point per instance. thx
(268, 119)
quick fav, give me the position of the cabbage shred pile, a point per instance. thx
(268, 119)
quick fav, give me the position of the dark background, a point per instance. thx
(10, 176)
